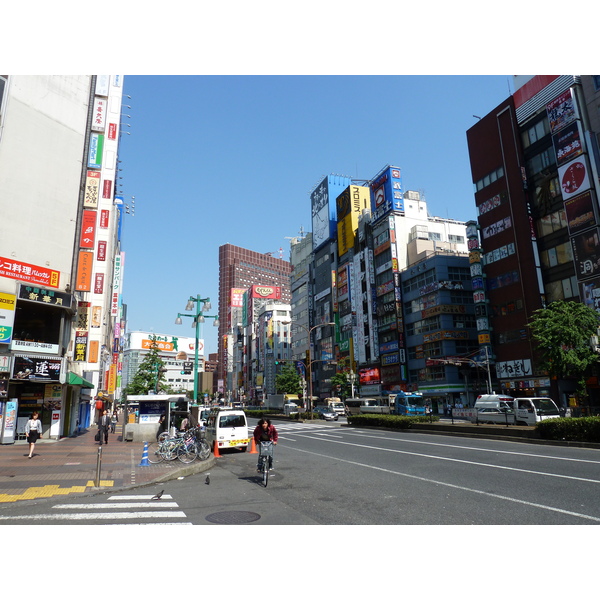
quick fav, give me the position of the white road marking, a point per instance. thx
(97, 516)
(457, 487)
(104, 506)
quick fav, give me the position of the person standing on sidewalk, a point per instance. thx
(113, 421)
(104, 426)
(33, 431)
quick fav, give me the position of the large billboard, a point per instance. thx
(323, 208)
(350, 204)
(386, 192)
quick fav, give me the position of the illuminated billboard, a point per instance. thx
(350, 204)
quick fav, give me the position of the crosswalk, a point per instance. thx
(138, 509)
(304, 427)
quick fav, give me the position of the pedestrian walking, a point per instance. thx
(33, 431)
(113, 421)
(103, 427)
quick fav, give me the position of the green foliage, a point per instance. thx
(562, 331)
(145, 379)
(287, 381)
(389, 421)
(341, 386)
(583, 429)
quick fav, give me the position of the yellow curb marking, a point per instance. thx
(47, 491)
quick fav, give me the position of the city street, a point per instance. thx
(329, 474)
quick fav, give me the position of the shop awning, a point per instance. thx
(75, 379)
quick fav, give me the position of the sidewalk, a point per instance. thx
(69, 466)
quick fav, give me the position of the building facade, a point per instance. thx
(61, 260)
(534, 161)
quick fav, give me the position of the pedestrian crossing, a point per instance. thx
(138, 509)
(299, 427)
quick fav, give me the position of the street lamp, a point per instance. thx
(199, 317)
(310, 361)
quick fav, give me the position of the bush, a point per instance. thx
(571, 429)
(389, 421)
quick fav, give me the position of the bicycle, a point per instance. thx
(266, 457)
(185, 446)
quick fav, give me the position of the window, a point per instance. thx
(489, 178)
(535, 133)
(456, 239)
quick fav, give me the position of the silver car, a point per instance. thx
(326, 413)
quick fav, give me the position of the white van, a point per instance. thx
(228, 428)
(497, 408)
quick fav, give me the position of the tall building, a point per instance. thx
(239, 270)
(535, 164)
(61, 260)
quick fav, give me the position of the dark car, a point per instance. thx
(326, 413)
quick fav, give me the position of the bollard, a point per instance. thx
(98, 465)
(145, 462)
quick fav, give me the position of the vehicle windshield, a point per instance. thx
(370, 403)
(412, 401)
(232, 421)
(545, 406)
(336, 405)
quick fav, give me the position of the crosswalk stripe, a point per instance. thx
(141, 497)
(97, 516)
(118, 506)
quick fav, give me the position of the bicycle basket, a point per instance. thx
(266, 448)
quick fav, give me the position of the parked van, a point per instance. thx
(290, 408)
(228, 428)
(497, 408)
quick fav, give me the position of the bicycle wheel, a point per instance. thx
(170, 449)
(164, 436)
(155, 454)
(187, 453)
(265, 471)
(203, 449)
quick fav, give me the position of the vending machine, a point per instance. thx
(8, 421)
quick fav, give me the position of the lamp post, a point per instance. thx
(199, 317)
(309, 358)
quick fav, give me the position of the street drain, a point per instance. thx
(233, 517)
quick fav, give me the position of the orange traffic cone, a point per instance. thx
(216, 452)
(253, 449)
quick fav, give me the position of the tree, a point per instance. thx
(150, 374)
(563, 331)
(287, 380)
(341, 386)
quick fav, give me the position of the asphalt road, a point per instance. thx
(328, 474)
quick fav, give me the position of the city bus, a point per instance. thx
(355, 406)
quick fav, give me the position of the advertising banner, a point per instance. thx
(586, 253)
(99, 114)
(36, 368)
(8, 304)
(15, 269)
(580, 213)
(386, 193)
(561, 111)
(574, 178)
(84, 271)
(92, 186)
(88, 229)
(96, 150)
(567, 143)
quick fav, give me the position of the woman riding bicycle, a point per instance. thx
(265, 432)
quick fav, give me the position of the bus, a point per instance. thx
(355, 406)
(409, 404)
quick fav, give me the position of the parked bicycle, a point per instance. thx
(186, 447)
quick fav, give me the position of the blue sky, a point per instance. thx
(212, 160)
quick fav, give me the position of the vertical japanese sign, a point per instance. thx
(88, 229)
(114, 305)
(99, 116)
(96, 151)
(8, 304)
(92, 186)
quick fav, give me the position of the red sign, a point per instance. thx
(266, 291)
(107, 188)
(15, 269)
(101, 254)
(112, 131)
(88, 229)
(104, 216)
(98, 283)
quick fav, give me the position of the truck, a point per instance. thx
(278, 401)
(335, 405)
(505, 410)
(409, 404)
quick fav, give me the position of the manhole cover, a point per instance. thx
(233, 517)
